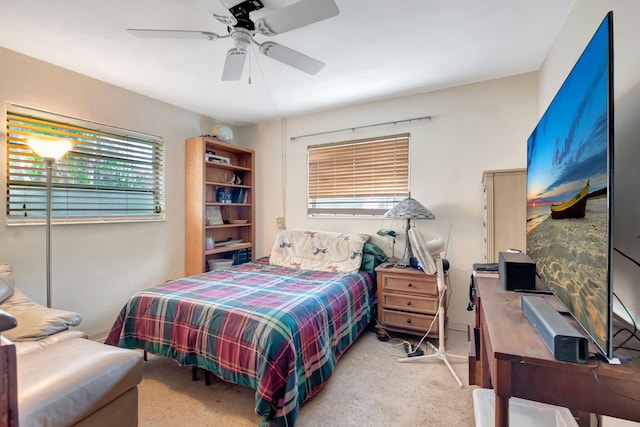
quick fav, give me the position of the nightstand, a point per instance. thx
(407, 300)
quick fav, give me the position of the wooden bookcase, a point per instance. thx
(209, 188)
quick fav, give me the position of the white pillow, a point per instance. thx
(318, 250)
(7, 282)
(34, 320)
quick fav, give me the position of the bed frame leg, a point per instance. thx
(207, 378)
(145, 355)
(194, 373)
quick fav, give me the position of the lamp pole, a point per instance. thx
(405, 261)
(49, 149)
(49, 162)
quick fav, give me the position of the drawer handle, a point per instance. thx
(408, 302)
(408, 320)
(409, 284)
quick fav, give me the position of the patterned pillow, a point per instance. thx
(318, 250)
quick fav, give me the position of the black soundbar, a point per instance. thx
(562, 339)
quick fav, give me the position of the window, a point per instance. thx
(363, 177)
(109, 174)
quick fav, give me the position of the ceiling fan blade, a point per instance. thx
(291, 57)
(297, 15)
(219, 11)
(234, 64)
(173, 34)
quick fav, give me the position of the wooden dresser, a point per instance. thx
(511, 358)
(407, 300)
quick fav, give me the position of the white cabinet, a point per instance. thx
(505, 211)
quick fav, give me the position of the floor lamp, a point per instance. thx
(430, 256)
(50, 149)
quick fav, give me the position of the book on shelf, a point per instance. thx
(228, 242)
(239, 195)
(241, 256)
(210, 157)
(213, 215)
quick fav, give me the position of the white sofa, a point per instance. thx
(63, 378)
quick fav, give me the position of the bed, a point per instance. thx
(272, 325)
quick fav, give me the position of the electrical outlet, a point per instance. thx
(280, 222)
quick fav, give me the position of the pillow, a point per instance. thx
(7, 282)
(34, 320)
(318, 250)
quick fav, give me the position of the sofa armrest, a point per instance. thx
(35, 321)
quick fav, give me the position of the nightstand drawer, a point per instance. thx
(413, 321)
(407, 302)
(415, 284)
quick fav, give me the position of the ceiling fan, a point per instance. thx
(241, 28)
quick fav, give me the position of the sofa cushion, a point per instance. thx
(318, 250)
(34, 320)
(7, 282)
(64, 383)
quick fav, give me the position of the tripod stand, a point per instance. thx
(439, 352)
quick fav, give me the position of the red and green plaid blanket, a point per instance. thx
(277, 330)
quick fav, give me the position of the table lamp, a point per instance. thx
(408, 209)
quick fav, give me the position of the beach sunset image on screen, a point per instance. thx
(567, 190)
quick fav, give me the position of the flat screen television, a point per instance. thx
(569, 178)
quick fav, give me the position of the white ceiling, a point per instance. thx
(374, 49)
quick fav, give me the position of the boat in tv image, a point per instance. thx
(573, 208)
(568, 165)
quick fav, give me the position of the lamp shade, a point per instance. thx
(48, 147)
(409, 208)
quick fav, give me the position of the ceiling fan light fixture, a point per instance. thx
(241, 38)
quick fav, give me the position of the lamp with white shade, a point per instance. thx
(408, 209)
(50, 149)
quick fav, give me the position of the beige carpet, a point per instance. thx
(369, 387)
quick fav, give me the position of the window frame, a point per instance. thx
(353, 189)
(107, 165)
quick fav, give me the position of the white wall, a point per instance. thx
(96, 267)
(473, 128)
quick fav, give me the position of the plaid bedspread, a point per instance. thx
(277, 330)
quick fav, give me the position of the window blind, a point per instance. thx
(109, 174)
(361, 177)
